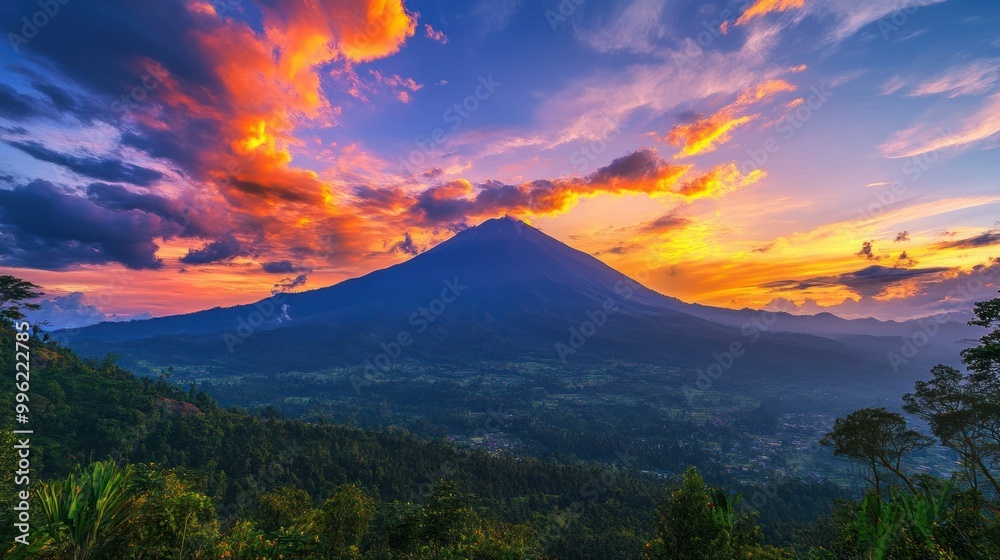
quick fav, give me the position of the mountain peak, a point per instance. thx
(506, 228)
(512, 270)
(505, 222)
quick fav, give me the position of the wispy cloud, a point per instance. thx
(892, 85)
(852, 15)
(435, 34)
(973, 78)
(592, 106)
(635, 27)
(983, 124)
(493, 16)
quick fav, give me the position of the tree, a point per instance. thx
(438, 524)
(963, 409)
(696, 522)
(878, 438)
(176, 521)
(13, 293)
(964, 416)
(983, 360)
(282, 508)
(448, 527)
(343, 521)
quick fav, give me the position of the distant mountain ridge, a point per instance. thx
(500, 290)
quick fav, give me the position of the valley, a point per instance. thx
(584, 361)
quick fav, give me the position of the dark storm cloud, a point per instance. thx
(96, 168)
(498, 197)
(405, 245)
(374, 197)
(116, 197)
(182, 142)
(45, 227)
(15, 105)
(641, 164)
(62, 100)
(986, 239)
(52, 100)
(905, 260)
(665, 223)
(620, 249)
(868, 281)
(441, 204)
(289, 284)
(289, 193)
(867, 251)
(282, 267)
(222, 249)
(103, 47)
(97, 43)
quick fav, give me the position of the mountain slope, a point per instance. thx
(506, 265)
(499, 291)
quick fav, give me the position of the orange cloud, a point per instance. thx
(720, 180)
(640, 173)
(763, 7)
(549, 198)
(265, 84)
(764, 89)
(706, 134)
(377, 33)
(271, 81)
(452, 189)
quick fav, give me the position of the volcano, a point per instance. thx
(502, 290)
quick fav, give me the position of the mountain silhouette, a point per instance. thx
(502, 290)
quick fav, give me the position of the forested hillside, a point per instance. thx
(127, 467)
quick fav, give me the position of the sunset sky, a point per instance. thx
(164, 157)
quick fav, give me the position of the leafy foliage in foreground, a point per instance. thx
(703, 523)
(107, 511)
(149, 471)
(931, 518)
